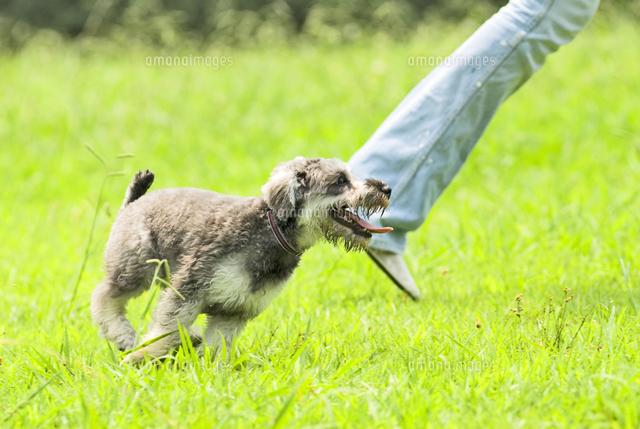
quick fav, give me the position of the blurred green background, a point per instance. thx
(168, 22)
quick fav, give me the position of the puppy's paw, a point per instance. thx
(126, 342)
(134, 358)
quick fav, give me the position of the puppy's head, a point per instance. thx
(326, 201)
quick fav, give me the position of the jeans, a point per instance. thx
(423, 143)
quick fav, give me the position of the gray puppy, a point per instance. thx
(229, 256)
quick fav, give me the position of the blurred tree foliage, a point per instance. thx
(165, 22)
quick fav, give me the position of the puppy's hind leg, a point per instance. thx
(108, 308)
(172, 310)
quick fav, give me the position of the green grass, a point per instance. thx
(548, 202)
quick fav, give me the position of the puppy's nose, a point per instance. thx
(379, 185)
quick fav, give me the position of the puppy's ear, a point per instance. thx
(286, 187)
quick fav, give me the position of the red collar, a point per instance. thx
(282, 241)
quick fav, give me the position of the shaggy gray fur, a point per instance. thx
(224, 259)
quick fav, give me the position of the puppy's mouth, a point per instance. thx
(347, 217)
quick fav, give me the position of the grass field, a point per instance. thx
(529, 263)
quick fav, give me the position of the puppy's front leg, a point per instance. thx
(172, 310)
(221, 329)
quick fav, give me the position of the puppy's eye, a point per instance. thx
(342, 180)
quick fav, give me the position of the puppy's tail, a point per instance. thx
(138, 187)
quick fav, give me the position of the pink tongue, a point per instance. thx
(366, 225)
